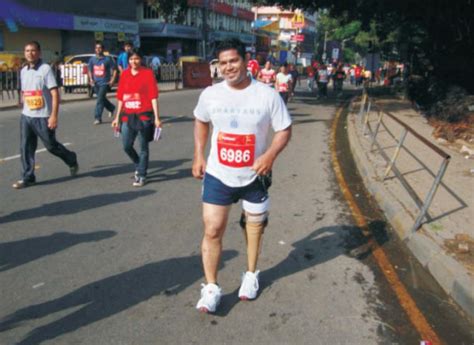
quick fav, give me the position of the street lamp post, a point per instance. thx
(205, 32)
(324, 46)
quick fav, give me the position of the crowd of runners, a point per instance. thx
(235, 115)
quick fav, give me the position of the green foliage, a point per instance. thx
(355, 40)
(172, 11)
(435, 36)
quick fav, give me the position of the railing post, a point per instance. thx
(366, 120)
(397, 152)
(430, 196)
(362, 105)
(377, 127)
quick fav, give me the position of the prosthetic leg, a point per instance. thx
(253, 226)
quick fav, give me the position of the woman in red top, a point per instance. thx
(137, 113)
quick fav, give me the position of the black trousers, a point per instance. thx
(32, 128)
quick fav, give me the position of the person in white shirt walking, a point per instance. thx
(284, 83)
(241, 111)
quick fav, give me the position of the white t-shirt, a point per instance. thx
(323, 75)
(283, 82)
(241, 120)
(36, 85)
(267, 75)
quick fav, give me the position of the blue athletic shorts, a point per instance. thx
(254, 198)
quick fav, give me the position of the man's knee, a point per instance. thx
(213, 230)
(254, 223)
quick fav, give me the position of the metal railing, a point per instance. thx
(169, 73)
(74, 76)
(367, 104)
(9, 84)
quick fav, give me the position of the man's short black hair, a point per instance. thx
(34, 43)
(128, 43)
(229, 44)
(100, 43)
(137, 52)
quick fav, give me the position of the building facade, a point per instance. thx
(205, 24)
(66, 27)
(284, 35)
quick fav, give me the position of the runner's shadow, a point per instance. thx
(103, 171)
(153, 176)
(320, 246)
(156, 166)
(65, 207)
(17, 253)
(107, 297)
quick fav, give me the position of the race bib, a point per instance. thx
(132, 101)
(236, 150)
(99, 71)
(283, 87)
(33, 99)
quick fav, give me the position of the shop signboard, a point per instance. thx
(297, 21)
(106, 25)
(99, 36)
(170, 30)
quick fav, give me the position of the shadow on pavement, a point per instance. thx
(177, 119)
(119, 169)
(320, 246)
(110, 296)
(153, 176)
(17, 253)
(302, 122)
(65, 207)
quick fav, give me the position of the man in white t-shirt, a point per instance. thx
(241, 111)
(284, 83)
(267, 74)
(323, 79)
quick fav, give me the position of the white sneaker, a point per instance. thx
(210, 298)
(249, 288)
(139, 182)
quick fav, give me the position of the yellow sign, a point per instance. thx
(99, 36)
(298, 20)
(121, 36)
(273, 27)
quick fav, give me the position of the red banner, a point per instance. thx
(297, 38)
(223, 8)
(196, 74)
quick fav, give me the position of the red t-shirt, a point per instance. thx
(137, 91)
(267, 76)
(253, 67)
(358, 72)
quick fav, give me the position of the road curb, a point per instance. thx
(450, 274)
(85, 98)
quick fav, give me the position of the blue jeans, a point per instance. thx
(30, 129)
(128, 138)
(102, 101)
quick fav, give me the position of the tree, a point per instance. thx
(172, 11)
(355, 41)
(435, 35)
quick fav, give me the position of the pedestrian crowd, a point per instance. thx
(235, 116)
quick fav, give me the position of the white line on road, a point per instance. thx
(18, 156)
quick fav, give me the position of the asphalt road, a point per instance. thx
(93, 260)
